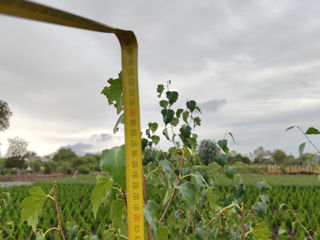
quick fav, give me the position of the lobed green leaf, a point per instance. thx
(113, 161)
(101, 189)
(32, 206)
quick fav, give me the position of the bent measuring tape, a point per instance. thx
(129, 52)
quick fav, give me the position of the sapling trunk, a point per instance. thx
(175, 189)
(57, 210)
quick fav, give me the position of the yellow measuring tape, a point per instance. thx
(129, 50)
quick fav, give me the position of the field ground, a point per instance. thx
(300, 192)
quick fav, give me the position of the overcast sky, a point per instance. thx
(253, 66)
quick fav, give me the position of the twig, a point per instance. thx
(244, 236)
(124, 196)
(30, 234)
(304, 228)
(175, 189)
(145, 195)
(57, 209)
(306, 136)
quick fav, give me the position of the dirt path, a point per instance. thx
(32, 177)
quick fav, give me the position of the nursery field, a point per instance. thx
(300, 193)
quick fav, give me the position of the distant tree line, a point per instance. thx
(209, 151)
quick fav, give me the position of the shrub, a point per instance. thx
(84, 170)
(35, 165)
(64, 154)
(88, 161)
(47, 168)
(15, 161)
(66, 168)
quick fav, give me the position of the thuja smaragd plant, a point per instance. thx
(181, 200)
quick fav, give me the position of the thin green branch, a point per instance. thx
(188, 175)
(152, 172)
(123, 236)
(49, 230)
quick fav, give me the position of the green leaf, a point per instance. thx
(153, 126)
(262, 185)
(198, 109)
(144, 143)
(162, 233)
(172, 96)
(188, 192)
(185, 116)
(260, 209)
(114, 92)
(163, 103)
(166, 134)
(32, 206)
(197, 121)
(223, 144)
(265, 198)
(167, 115)
(160, 89)
(108, 234)
(230, 171)
(261, 232)
(301, 148)
(178, 112)
(148, 133)
(113, 161)
(312, 130)
(155, 139)
(289, 128)
(281, 231)
(166, 167)
(211, 196)
(150, 211)
(185, 133)
(200, 182)
(73, 230)
(117, 215)
(282, 205)
(191, 105)
(175, 122)
(116, 126)
(231, 135)
(99, 192)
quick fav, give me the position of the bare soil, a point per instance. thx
(29, 177)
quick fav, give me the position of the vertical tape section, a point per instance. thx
(132, 134)
(129, 52)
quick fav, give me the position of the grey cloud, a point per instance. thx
(80, 148)
(213, 105)
(101, 137)
(95, 144)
